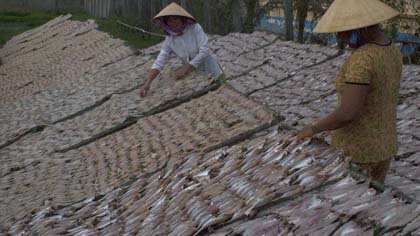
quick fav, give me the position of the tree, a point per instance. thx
(207, 15)
(302, 13)
(288, 14)
(237, 16)
(184, 4)
(251, 15)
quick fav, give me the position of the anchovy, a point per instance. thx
(405, 215)
(326, 230)
(183, 229)
(267, 228)
(350, 229)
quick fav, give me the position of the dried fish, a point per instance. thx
(350, 229)
(400, 216)
(356, 203)
(312, 223)
(302, 163)
(185, 228)
(326, 230)
(270, 227)
(227, 203)
(412, 226)
(290, 191)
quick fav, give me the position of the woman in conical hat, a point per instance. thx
(364, 122)
(187, 40)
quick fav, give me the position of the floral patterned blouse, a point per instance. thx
(373, 136)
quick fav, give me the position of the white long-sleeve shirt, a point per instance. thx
(191, 47)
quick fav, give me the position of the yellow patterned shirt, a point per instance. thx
(373, 136)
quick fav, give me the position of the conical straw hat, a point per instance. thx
(173, 9)
(345, 15)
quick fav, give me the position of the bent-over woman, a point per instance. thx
(187, 40)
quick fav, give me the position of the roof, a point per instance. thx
(82, 153)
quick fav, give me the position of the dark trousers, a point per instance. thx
(377, 170)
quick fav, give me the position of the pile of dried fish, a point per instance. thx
(142, 148)
(409, 125)
(305, 96)
(410, 83)
(405, 177)
(274, 63)
(202, 191)
(236, 51)
(55, 80)
(344, 208)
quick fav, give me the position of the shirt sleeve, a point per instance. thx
(164, 54)
(359, 68)
(203, 48)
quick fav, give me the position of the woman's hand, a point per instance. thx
(307, 132)
(183, 71)
(144, 90)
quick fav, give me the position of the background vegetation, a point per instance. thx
(16, 21)
(216, 17)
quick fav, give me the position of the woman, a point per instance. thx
(368, 84)
(187, 40)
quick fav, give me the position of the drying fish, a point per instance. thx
(309, 203)
(242, 186)
(310, 172)
(312, 223)
(302, 163)
(229, 167)
(227, 203)
(201, 213)
(291, 155)
(311, 182)
(270, 175)
(183, 229)
(306, 219)
(351, 229)
(212, 190)
(399, 216)
(249, 163)
(284, 153)
(344, 194)
(269, 227)
(327, 230)
(412, 226)
(87, 232)
(272, 154)
(290, 191)
(223, 233)
(133, 224)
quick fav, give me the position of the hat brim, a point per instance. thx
(173, 9)
(344, 15)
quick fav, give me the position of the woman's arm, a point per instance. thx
(145, 88)
(203, 51)
(160, 62)
(164, 54)
(352, 102)
(203, 48)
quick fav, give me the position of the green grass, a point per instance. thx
(14, 22)
(26, 17)
(134, 38)
(6, 34)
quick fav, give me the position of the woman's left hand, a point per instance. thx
(183, 71)
(306, 132)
